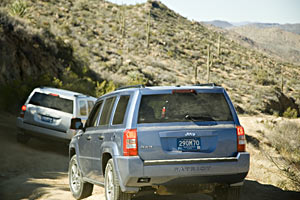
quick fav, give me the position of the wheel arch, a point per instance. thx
(72, 150)
(105, 158)
(109, 149)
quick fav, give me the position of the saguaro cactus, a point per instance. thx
(148, 29)
(281, 83)
(209, 62)
(219, 46)
(196, 74)
(122, 22)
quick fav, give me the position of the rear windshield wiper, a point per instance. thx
(198, 118)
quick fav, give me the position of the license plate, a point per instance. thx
(47, 119)
(188, 144)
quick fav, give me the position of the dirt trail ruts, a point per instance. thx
(38, 170)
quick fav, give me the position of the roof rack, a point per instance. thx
(131, 86)
(207, 84)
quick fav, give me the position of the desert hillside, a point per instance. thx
(144, 43)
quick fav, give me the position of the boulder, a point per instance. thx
(280, 103)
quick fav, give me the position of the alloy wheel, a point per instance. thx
(109, 184)
(75, 177)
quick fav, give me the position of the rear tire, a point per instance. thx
(230, 193)
(79, 188)
(23, 138)
(112, 185)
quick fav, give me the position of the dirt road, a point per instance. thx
(38, 170)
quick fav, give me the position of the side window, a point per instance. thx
(90, 106)
(105, 116)
(121, 109)
(82, 108)
(92, 120)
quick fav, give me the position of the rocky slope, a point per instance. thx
(27, 53)
(149, 43)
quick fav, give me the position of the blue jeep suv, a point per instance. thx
(169, 139)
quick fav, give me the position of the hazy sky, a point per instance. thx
(272, 11)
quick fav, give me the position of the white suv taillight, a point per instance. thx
(23, 109)
(130, 146)
(241, 139)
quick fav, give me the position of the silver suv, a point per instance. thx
(48, 112)
(164, 139)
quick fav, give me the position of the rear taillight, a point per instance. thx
(241, 139)
(130, 146)
(23, 109)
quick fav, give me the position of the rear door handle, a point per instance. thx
(101, 137)
(89, 137)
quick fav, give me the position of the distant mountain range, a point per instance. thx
(280, 40)
(219, 23)
(294, 28)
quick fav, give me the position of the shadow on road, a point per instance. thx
(254, 190)
(251, 190)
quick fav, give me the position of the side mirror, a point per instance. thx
(76, 124)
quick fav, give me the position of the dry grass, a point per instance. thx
(285, 137)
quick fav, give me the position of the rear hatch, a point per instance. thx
(186, 124)
(49, 111)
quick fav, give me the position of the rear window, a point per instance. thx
(182, 107)
(52, 101)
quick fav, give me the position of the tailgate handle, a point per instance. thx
(89, 137)
(101, 137)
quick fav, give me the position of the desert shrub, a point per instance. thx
(262, 77)
(290, 113)
(137, 79)
(285, 137)
(104, 87)
(18, 8)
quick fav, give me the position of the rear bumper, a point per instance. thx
(181, 171)
(41, 132)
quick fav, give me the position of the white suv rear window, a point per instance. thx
(52, 101)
